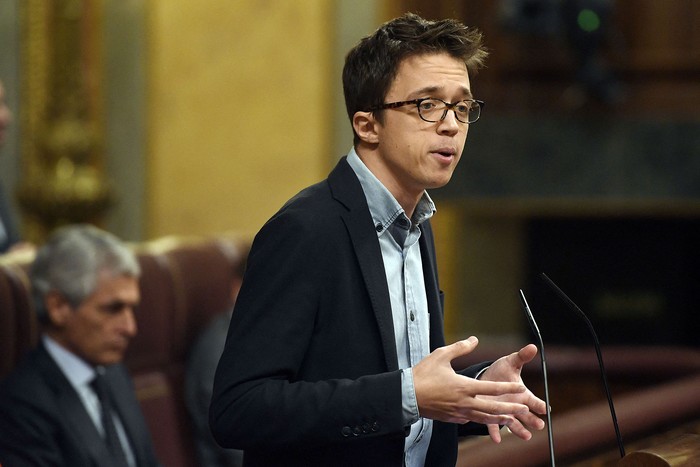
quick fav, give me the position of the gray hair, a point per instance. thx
(71, 261)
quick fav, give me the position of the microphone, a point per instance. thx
(536, 330)
(596, 343)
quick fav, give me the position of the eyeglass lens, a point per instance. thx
(434, 110)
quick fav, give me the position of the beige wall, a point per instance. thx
(239, 112)
(245, 108)
(185, 159)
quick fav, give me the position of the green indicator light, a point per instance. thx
(588, 20)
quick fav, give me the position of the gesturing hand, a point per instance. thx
(508, 369)
(444, 395)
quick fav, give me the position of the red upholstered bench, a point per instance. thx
(184, 282)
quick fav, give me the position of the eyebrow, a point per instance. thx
(431, 89)
(116, 306)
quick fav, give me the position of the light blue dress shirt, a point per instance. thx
(398, 238)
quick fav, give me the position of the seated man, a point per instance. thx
(71, 401)
(199, 380)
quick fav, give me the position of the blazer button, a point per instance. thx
(346, 431)
(365, 428)
(375, 427)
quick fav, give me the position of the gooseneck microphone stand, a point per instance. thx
(596, 343)
(536, 330)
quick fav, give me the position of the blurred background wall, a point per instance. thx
(169, 117)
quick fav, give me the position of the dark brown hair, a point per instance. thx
(371, 66)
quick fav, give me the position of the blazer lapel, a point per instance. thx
(347, 190)
(72, 409)
(432, 290)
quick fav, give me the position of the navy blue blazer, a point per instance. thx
(43, 422)
(309, 375)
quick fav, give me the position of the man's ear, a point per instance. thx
(365, 125)
(58, 308)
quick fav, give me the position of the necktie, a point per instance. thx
(110, 432)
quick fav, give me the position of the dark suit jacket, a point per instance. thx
(43, 422)
(11, 236)
(309, 375)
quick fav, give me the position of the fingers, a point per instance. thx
(497, 388)
(459, 399)
(527, 353)
(508, 368)
(495, 407)
(537, 405)
(522, 357)
(482, 418)
(513, 426)
(458, 349)
(475, 410)
(495, 432)
(441, 394)
(531, 421)
(517, 428)
(485, 411)
(519, 422)
(520, 426)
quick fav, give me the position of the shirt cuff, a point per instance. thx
(408, 397)
(481, 372)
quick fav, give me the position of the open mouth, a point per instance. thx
(444, 153)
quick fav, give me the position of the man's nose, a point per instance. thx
(450, 124)
(129, 325)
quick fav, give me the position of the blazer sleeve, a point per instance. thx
(26, 438)
(263, 397)
(32, 424)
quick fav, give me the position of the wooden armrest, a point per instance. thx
(681, 451)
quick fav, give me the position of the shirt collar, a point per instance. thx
(73, 367)
(383, 207)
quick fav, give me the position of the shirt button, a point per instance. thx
(413, 317)
(379, 227)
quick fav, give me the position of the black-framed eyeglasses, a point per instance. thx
(431, 109)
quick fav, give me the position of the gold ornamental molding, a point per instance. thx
(62, 125)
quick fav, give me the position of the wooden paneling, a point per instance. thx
(651, 49)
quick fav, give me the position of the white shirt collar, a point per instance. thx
(77, 370)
